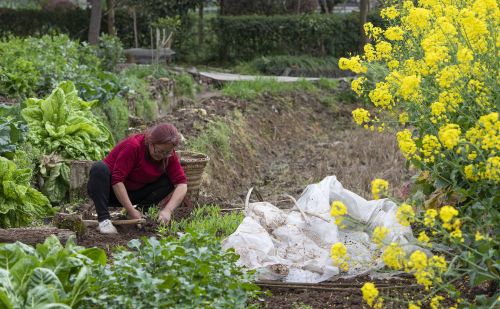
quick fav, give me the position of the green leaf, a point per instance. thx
(95, 254)
(44, 276)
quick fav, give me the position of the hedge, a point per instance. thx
(237, 37)
(246, 37)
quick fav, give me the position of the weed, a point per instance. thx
(206, 219)
(215, 137)
(184, 85)
(143, 71)
(327, 84)
(249, 90)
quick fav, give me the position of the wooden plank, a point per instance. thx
(115, 222)
(228, 77)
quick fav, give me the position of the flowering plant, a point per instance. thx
(439, 89)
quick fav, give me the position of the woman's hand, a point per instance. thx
(164, 216)
(134, 213)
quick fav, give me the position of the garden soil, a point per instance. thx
(278, 145)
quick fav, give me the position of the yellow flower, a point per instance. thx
(438, 262)
(435, 302)
(413, 306)
(423, 238)
(370, 295)
(404, 118)
(429, 217)
(379, 188)
(409, 87)
(457, 235)
(394, 256)
(338, 209)
(389, 13)
(339, 256)
(405, 215)
(418, 260)
(449, 135)
(446, 213)
(479, 236)
(361, 116)
(406, 144)
(394, 33)
(381, 96)
(379, 234)
(492, 169)
(357, 85)
(430, 147)
(384, 50)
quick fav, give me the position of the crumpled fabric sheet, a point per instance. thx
(285, 245)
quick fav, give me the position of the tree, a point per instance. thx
(363, 15)
(95, 22)
(111, 16)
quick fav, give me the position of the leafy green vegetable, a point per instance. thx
(50, 276)
(19, 202)
(190, 272)
(12, 131)
(63, 124)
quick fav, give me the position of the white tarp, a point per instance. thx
(294, 245)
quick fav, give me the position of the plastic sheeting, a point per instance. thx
(294, 245)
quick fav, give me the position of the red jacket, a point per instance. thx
(130, 163)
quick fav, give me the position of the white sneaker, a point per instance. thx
(106, 227)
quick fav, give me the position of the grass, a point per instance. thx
(206, 219)
(296, 65)
(215, 137)
(250, 90)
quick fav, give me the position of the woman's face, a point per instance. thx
(161, 151)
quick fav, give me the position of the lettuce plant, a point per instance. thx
(19, 202)
(50, 276)
(63, 124)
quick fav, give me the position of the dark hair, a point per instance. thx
(163, 133)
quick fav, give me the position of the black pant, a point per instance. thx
(100, 191)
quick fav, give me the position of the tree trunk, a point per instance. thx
(95, 22)
(201, 36)
(32, 236)
(134, 17)
(111, 17)
(363, 14)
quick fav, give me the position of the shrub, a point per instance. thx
(34, 66)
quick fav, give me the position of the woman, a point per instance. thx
(141, 170)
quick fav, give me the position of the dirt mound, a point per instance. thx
(281, 144)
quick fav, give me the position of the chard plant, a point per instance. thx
(48, 276)
(20, 204)
(190, 272)
(63, 126)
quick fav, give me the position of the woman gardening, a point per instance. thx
(141, 170)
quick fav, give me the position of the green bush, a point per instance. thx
(184, 85)
(190, 272)
(34, 66)
(115, 114)
(110, 52)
